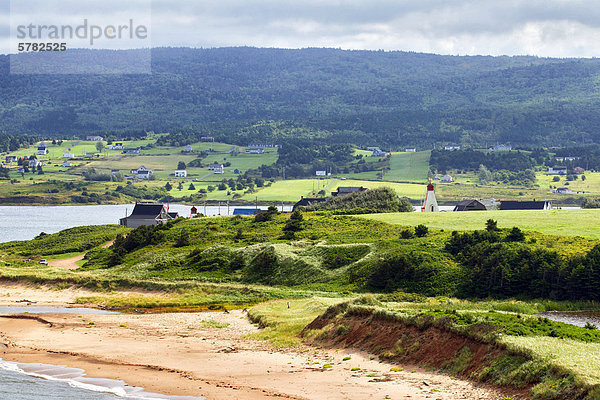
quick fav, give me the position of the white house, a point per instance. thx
(188, 148)
(33, 163)
(131, 151)
(181, 173)
(321, 173)
(42, 150)
(377, 152)
(451, 147)
(67, 164)
(116, 146)
(410, 150)
(501, 147)
(558, 170)
(94, 138)
(446, 178)
(68, 155)
(142, 172)
(213, 166)
(254, 151)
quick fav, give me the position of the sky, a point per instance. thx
(545, 28)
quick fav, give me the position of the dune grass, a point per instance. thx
(283, 320)
(580, 357)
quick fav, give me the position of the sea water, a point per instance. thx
(26, 222)
(21, 381)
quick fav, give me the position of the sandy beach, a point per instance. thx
(205, 354)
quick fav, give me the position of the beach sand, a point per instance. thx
(186, 354)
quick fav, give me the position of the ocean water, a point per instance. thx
(26, 222)
(20, 381)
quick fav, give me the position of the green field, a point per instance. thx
(585, 223)
(292, 190)
(412, 167)
(590, 185)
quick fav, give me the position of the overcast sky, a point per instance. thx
(556, 28)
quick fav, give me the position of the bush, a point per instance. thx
(268, 215)
(421, 230)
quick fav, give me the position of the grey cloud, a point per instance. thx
(542, 27)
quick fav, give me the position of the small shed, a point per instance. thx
(244, 211)
(470, 205)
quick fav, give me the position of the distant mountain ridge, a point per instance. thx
(389, 98)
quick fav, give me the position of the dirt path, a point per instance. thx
(67, 263)
(71, 262)
(208, 354)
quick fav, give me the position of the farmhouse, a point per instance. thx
(67, 164)
(116, 146)
(308, 201)
(266, 145)
(207, 139)
(181, 173)
(525, 205)
(142, 172)
(147, 214)
(68, 155)
(446, 178)
(42, 150)
(94, 138)
(344, 190)
(254, 151)
(10, 159)
(501, 147)
(451, 147)
(131, 151)
(410, 150)
(377, 152)
(557, 170)
(33, 163)
(470, 205)
(216, 168)
(563, 190)
(188, 149)
(321, 173)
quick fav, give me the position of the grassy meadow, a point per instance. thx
(411, 167)
(565, 222)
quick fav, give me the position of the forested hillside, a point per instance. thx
(363, 97)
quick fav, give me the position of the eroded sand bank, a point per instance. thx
(186, 354)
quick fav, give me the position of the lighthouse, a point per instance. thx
(430, 204)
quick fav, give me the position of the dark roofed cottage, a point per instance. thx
(148, 214)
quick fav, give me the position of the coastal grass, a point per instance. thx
(577, 222)
(583, 358)
(283, 320)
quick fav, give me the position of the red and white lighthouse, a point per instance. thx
(430, 204)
